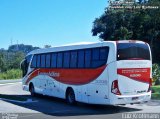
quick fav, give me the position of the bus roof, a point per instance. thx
(130, 41)
(79, 45)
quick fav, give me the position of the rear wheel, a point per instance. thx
(70, 97)
(32, 90)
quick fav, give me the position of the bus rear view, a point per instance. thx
(134, 72)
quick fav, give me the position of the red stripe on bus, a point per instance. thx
(69, 76)
(139, 74)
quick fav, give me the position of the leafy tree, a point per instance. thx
(21, 47)
(136, 24)
(10, 60)
(155, 72)
(14, 62)
(47, 46)
(1, 62)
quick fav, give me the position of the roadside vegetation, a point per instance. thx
(156, 82)
(10, 65)
(11, 74)
(156, 92)
(10, 60)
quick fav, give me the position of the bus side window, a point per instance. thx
(95, 54)
(104, 53)
(43, 62)
(59, 60)
(87, 58)
(96, 58)
(38, 61)
(34, 60)
(99, 56)
(53, 60)
(73, 61)
(48, 60)
(81, 59)
(66, 59)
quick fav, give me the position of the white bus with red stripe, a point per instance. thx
(110, 72)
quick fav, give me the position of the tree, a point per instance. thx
(136, 24)
(14, 62)
(47, 46)
(1, 62)
(21, 47)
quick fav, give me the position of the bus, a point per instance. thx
(107, 73)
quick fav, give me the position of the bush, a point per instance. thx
(155, 73)
(155, 89)
(11, 74)
(157, 82)
(156, 92)
(156, 96)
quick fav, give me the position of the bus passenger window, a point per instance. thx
(81, 59)
(43, 61)
(66, 59)
(104, 53)
(48, 60)
(73, 63)
(87, 58)
(59, 60)
(38, 61)
(54, 60)
(95, 54)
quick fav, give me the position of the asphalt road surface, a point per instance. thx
(46, 107)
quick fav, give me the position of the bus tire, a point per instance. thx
(70, 96)
(32, 90)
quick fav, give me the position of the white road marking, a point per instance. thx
(9, 83)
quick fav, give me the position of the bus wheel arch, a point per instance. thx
(70, 96)
(32, 89)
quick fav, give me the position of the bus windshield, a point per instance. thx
(133, 51)
(25, 64)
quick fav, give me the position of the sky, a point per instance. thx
(48, 22)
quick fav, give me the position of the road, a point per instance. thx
(47, 107)
(10, 81)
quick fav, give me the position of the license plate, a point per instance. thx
(134, 98)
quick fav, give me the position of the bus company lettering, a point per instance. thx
(125, 71)
(140, 74)
(135, 75)
(51, 74)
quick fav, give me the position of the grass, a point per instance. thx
(156, 89)
(156, 92)
(11, 74)
(13, 97)
(156, 96)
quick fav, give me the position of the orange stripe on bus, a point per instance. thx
(69, 76)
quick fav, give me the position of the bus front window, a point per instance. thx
(25, 64)
(24, 67)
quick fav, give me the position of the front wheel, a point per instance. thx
(70, 97)
(32, 90)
